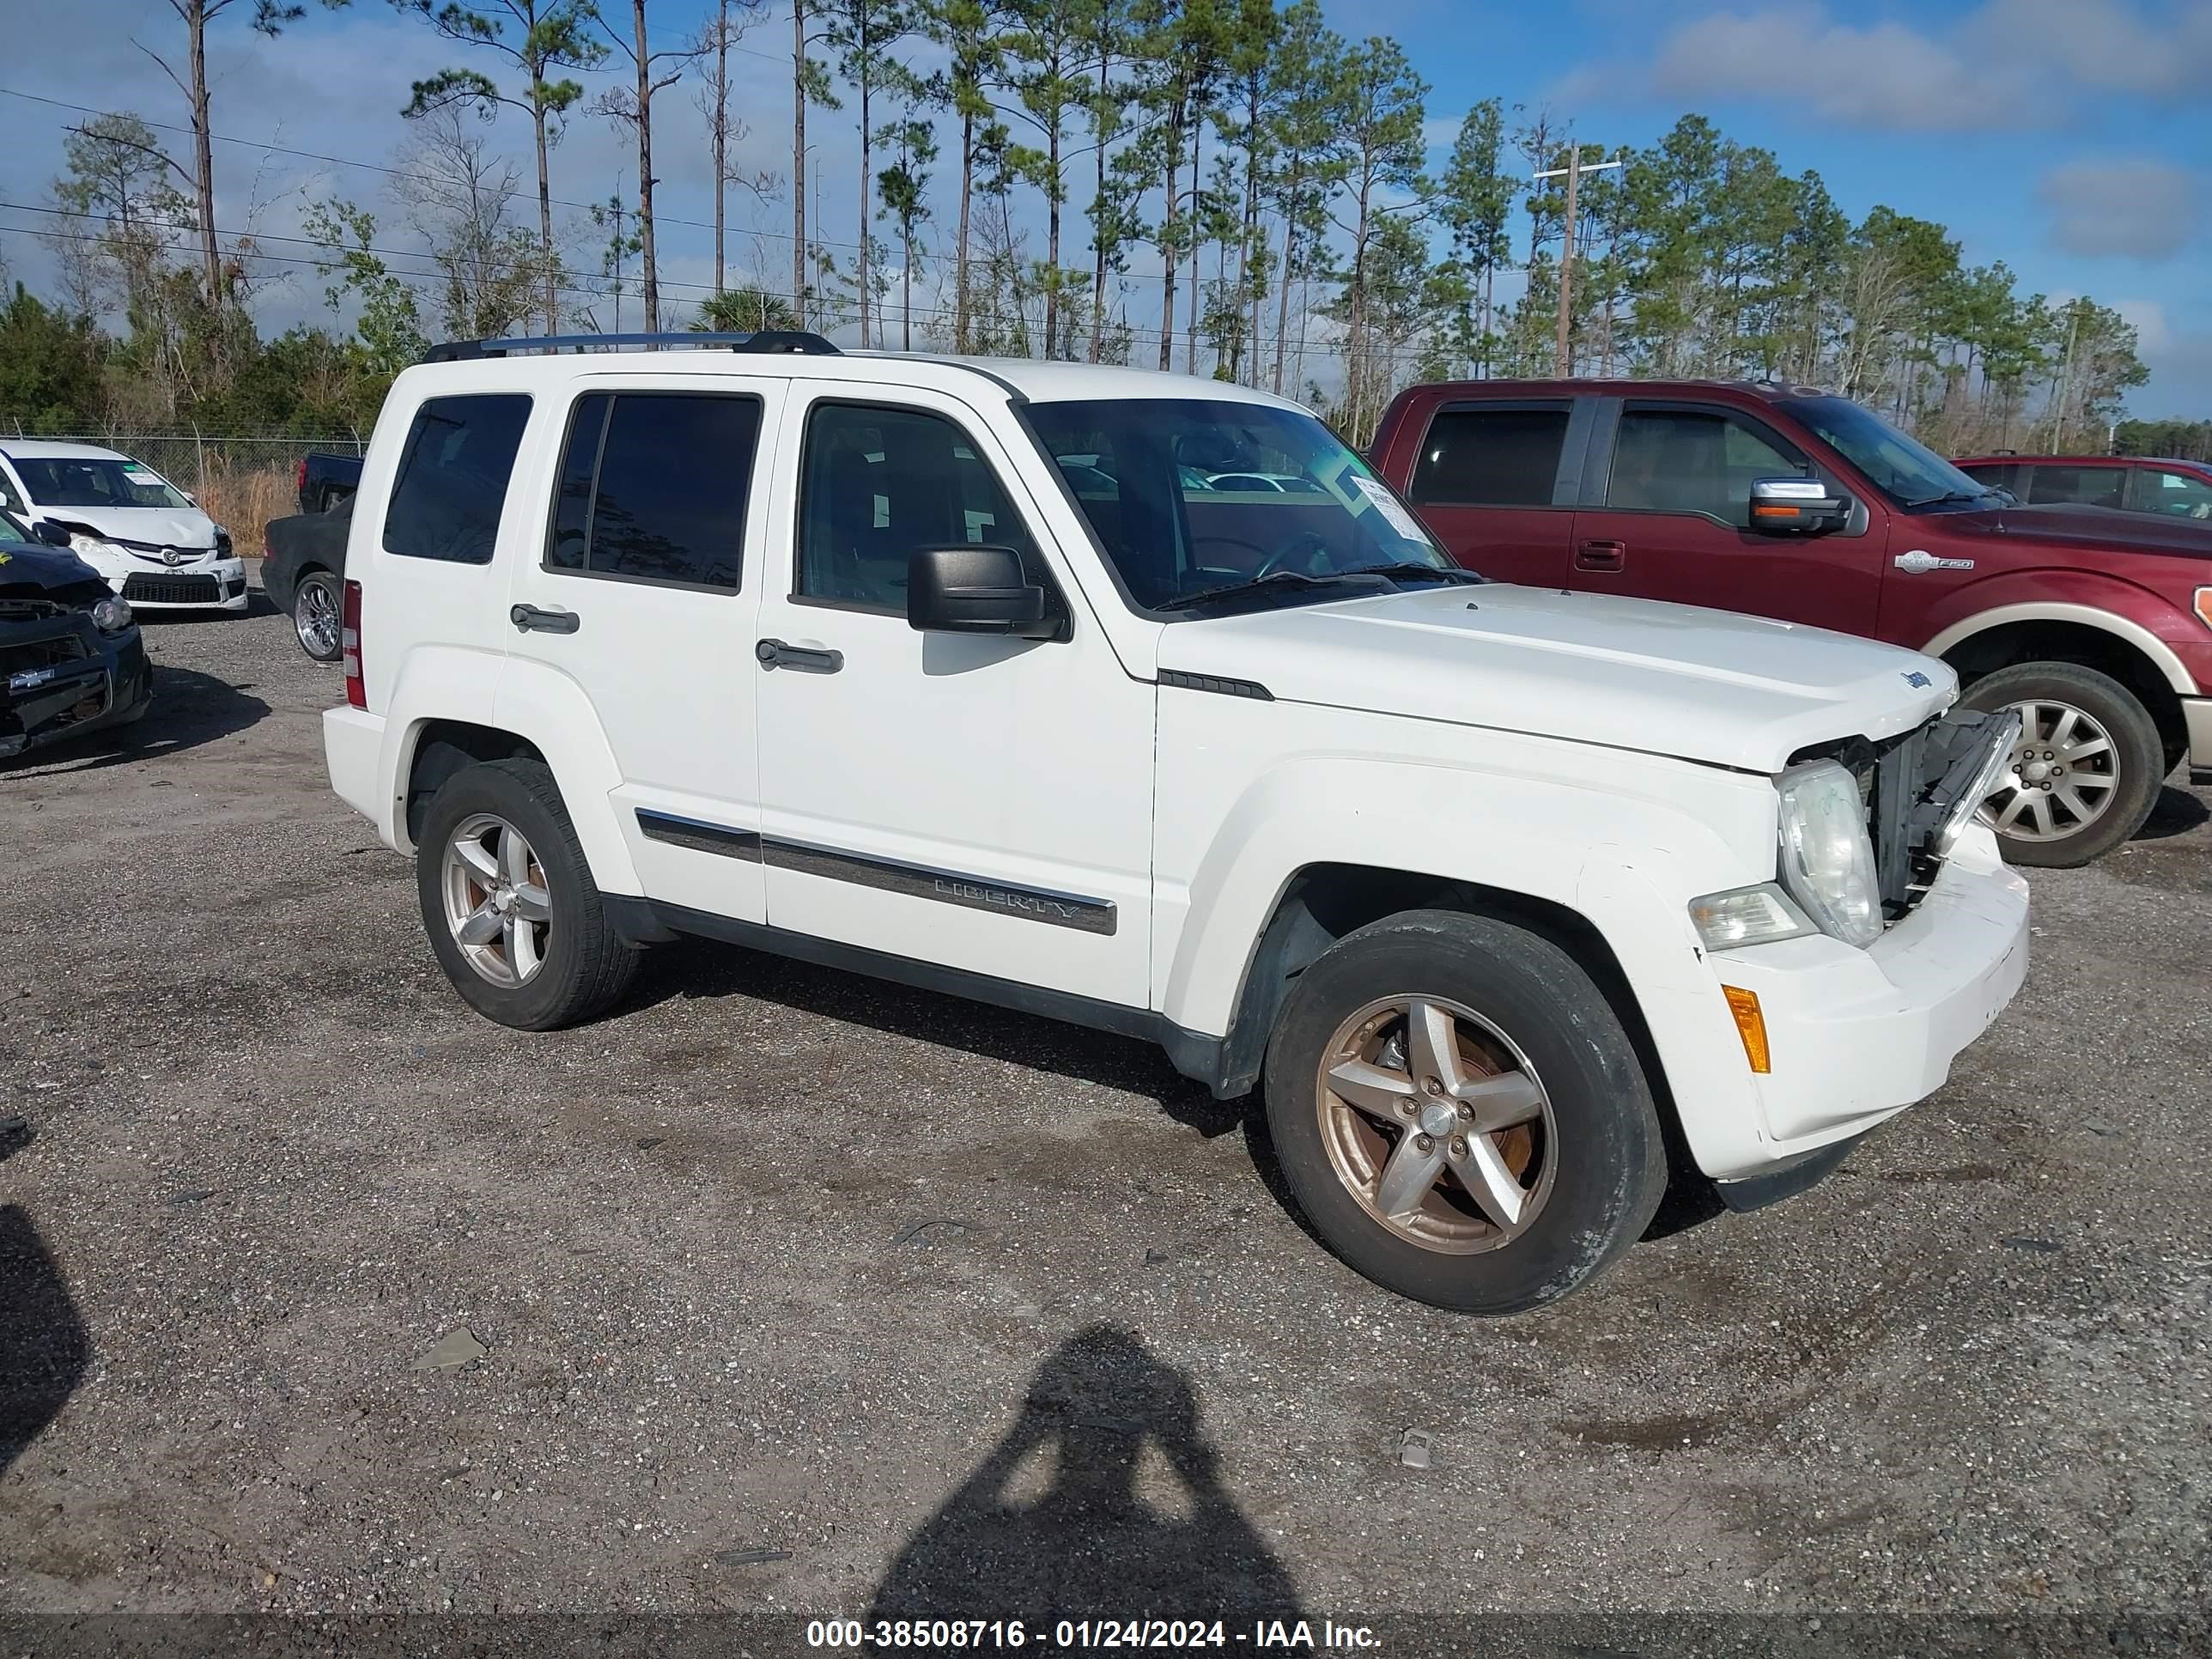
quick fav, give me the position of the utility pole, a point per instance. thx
(2065, 378)
(1573, 171)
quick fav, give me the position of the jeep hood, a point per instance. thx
(1664, 679)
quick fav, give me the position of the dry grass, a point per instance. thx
(245, 500)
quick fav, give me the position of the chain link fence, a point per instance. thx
(241, 480)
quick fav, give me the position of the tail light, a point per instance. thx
(350, 645)
(302, 486)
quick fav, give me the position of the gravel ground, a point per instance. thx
(786, 1291)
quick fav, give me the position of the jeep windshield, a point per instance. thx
(1206, 505)
(1909, 473)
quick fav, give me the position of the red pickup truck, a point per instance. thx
(1788, 503)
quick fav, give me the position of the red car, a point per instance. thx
(1788, 503)
(2173, 489)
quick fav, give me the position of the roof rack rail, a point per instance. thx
(789, 341)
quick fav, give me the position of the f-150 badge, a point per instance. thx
(1920, 561)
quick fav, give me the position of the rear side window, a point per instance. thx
(2176, 494)
(2079, 486)
(2006, 476)
(653, 487)
(1490, 457)
(453, 477)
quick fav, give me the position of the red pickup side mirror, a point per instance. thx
(1797, 507)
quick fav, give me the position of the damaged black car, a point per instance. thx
(71, 662)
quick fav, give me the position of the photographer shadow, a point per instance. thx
(1100, 1502)
(44, 1346)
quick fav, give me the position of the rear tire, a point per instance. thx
(535, 950)
(317, 604)
(1515, 1216)
(2087, 771)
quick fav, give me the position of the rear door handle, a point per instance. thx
(775, 653)
(528, 619)
(1601, 555)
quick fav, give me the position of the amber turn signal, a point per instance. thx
(1750, 1025)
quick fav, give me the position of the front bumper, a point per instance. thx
(53, 701)
(208, 583)
(1857, 1036)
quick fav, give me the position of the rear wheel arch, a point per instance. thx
(444, 748)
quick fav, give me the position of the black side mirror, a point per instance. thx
(50, 533)
(1797, 507)
(974, 589)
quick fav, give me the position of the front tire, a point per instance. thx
(508, 901)
(2086, 772)
(1460, 1114)
(317, 606)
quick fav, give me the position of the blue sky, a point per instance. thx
(2070, 138)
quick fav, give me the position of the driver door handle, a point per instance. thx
(1601, 555)
(807, 660)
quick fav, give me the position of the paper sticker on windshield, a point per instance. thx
(134, 469)
(1387, 504)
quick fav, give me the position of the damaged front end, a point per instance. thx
(1921, 789)
(70, 660)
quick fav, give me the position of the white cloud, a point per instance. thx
(1884, 75)
(2133, 208)
(2179, 361)
(2010, 64)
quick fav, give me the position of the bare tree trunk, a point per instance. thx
(867, 189)
(1283, 300)
(960, 255)
(1197, 184)
(722, 130)
(1052, 244)
(203, 156)
(545, 218)
(652, 277)
(799, 161)
(1168, 249)
(1099, 232)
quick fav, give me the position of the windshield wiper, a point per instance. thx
(1950, 496)
(1254, 585)
(1442, 573)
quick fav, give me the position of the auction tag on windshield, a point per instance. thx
(1387, 504)
(136, 469)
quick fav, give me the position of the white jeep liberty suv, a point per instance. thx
(982, 677)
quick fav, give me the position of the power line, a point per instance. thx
(1149, 335)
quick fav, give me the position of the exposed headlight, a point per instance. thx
(1747, 915)
(2002, 738)
(82, 543)
(1828, 857)
(111, 616)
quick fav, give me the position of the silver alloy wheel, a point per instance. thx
(2064, 774)
(315, 618)
(496, 900)
(1437, 1124)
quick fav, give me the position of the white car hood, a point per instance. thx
(1664, 679)
(156, 527)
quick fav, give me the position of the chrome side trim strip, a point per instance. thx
(1056, 910)
(699, 835)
